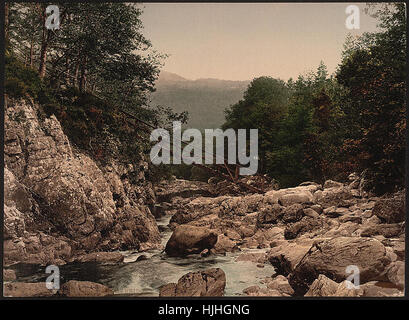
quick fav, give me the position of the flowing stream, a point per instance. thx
(143, 277)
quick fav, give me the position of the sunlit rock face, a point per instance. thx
(60, 202)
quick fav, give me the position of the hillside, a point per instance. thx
(204, 99)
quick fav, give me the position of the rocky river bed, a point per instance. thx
(111, 232)
(288, 242)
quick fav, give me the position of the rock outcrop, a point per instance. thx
(59, 202)
(313, 231)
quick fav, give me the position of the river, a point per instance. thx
(143, 278)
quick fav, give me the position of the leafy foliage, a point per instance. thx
(320, 127)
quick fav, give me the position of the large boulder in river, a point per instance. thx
(332, 257)
(188, 239)
(207, 283)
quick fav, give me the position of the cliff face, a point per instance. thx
(59, 203)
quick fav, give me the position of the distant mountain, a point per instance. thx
(204, 99)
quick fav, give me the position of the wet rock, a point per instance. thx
(21, 289)
(207, 283)
(331, 257)
(224, 244)
(391, 210)
(75, 288)
(188, 239)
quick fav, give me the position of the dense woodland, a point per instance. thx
(319, 127)
(316, 127)
(85, 74)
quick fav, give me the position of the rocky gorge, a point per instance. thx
(184, 238)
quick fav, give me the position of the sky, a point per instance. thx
(241, 41)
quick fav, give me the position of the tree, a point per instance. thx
(374, 74)
(264, 104)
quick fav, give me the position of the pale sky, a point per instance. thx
(240, 41)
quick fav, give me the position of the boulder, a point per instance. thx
(207, 283)
(396, 274)
(386, 230)
(9, 275)
(293, 213)
(301, 197)
(270, 214)
(309, 212)
(224, 244)
(305, 225)
(391, 210)
(188, 239)
(325, 287)
(332, 196)
(285, 256)
(21, 289)
(75, 288)
(332, 257)
(322, 287)
(280, 283)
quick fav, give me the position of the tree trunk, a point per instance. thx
(44, 44)
(83, 80)
(6, 22)
(31, 52)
